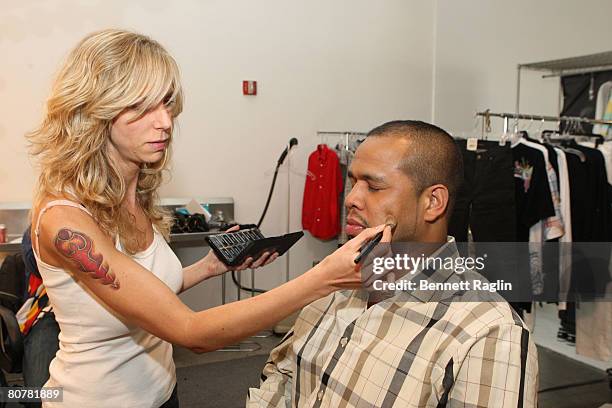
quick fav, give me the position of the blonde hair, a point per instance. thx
(106, 73)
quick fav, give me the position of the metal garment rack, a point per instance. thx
(586, 64)
(506, 116)
(346, 134)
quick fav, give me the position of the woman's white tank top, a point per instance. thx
(102, 360)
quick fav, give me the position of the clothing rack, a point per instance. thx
(347, 135)
(584, 64)
(348, 132)
(506, 116)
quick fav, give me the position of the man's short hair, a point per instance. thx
(433, 156)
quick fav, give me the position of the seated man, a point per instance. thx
(419, 348)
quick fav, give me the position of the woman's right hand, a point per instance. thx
(339, 270)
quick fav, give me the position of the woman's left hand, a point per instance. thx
(216, 267)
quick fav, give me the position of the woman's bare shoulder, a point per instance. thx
(43, 202)
(67, 217)
(68, 212)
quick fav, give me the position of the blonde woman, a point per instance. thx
(99, 238)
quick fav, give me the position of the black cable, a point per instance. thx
(244, 288)
(263, 214)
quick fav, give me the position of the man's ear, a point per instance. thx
(437, 196)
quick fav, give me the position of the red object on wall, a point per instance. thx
(249, 87)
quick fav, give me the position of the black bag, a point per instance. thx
(189, 223)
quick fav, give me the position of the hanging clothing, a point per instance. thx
(590, 211)
(565, 253)
(594, 319)
(599, 223)
(544, 230)
(534, 204)
(345, 156)
(485, 205)
(552, 226)
(532, 190)
(603, 109)
(552, 253)
(606, 150)
(578, 182)
(485, 202)
(320, 212)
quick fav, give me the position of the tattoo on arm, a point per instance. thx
(79, 248)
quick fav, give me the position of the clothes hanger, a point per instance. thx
(539, 131)
(580, 134)
(561, 142)
(486, 125)
(514, 137)
(566, 141)
(547, 133)
(526, 135)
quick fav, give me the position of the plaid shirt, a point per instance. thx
(417, 349)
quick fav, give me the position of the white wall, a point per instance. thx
(320, 65)
(480, 42)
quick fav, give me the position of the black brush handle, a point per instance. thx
(368, 247)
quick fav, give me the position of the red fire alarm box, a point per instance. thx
(249, 87)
